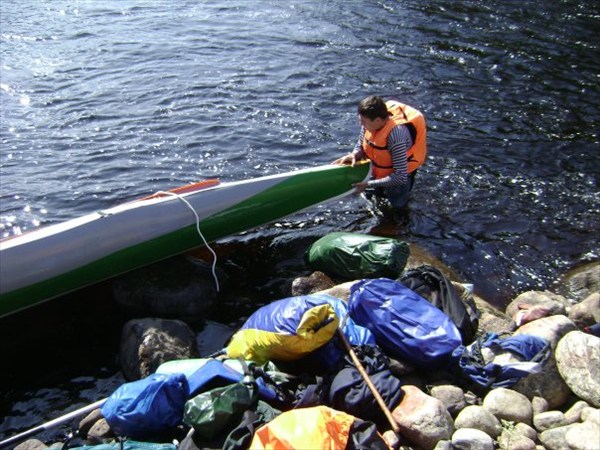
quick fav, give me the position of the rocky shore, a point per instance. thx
(556, 409)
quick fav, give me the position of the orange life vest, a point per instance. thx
(375, 144)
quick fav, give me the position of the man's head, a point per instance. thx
(372, 113)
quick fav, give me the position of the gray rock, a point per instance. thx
(587, 312)
(549, 419)
(573, 414)
(479, 418)
(391, 439)
(213, 337)
(88, 421)
(555, 438)
(539, 405)
(492, 319)
(31, 444)
(471, 439)
(147, 343)
(451, 396)
(578, 362)
(582, 281)
(513, 440)
(583, 436)
(341, 291)
(443, 445)
(509, 405)
(526, 430)
(548, 384)
(590, 414)
(315, 282)
(100, 433)
(422, 419)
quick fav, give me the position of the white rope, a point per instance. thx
(214, 264)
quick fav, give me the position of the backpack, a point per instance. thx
(431, 284)
(477, 363)
(405, 325)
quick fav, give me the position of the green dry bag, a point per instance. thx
(214, 411)
(356, 256)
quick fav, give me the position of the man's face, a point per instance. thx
(371, 125)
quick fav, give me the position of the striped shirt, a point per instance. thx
(399, 141)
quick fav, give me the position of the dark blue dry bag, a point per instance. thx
(405, 325)
(147, 407)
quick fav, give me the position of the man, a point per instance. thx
(393, 138)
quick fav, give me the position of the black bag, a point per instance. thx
(432, 285)
(349, 392)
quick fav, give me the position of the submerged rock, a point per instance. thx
(147, 343)
(583, 281)
(177, 288)
(587, 312)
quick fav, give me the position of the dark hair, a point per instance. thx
(372, 107)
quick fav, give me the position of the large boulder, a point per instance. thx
(177, 288)
(583, 281)
(147, 343)
(587, 312)
(578, 362)
(554, 304)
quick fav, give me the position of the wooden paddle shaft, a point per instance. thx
(372, 387)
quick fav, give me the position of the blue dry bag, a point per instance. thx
(147, 407)
(405, 325)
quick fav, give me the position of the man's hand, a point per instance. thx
(350, 158)
(360, 187)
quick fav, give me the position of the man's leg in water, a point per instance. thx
(398, 195)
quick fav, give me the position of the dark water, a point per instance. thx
(104, 101)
